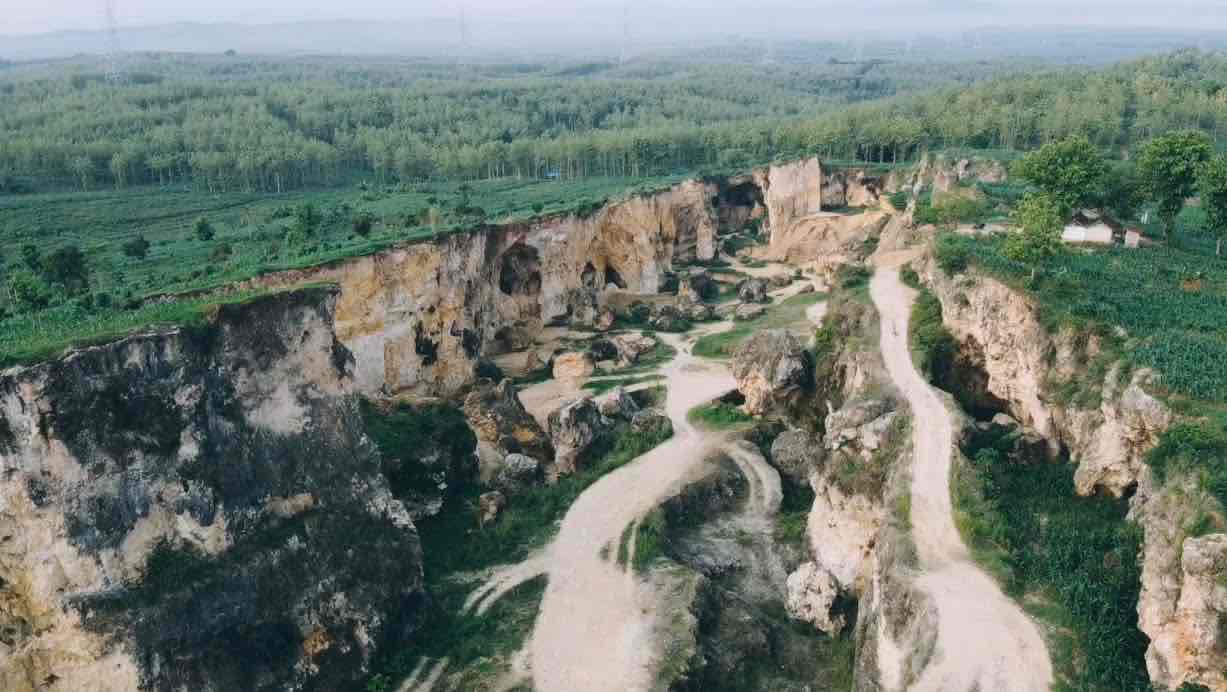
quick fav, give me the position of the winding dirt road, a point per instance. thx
(984, 642)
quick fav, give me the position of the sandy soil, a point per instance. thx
(594, 628)
(984, 641)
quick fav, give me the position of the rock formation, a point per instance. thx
(772, 369)
(198, 508)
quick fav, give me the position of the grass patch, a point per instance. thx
(1171, 303)
(604, 385)
(36, 337)
(718, 415)
(789, 313)
(1071, 560)
(933, 346)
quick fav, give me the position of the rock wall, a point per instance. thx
(198, 509)
(1108, 436)
(418, 317)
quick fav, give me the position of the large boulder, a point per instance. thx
(649, 422)
(668, 318)
(797, 454)
(518, 473)
(573, 429)
(575, 365)
(502, 425)
(630, 347)
(772, 368)
(752, 290)
(617, 403)
(812, 591)
(861, 426)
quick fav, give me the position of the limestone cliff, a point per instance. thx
(198, 508)
(1009, 361)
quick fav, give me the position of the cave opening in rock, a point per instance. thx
(520, 271)
(613, 277)
(737, 204)
(963, 374)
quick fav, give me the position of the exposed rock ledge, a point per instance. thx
(197, 509)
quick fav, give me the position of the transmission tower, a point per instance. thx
(113, 57)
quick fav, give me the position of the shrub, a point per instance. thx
(952, 255)
(203, 230)
(138, 247)
(363, 223)
(933, 345)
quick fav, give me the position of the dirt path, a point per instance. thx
(984, 642)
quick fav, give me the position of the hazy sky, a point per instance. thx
(37, 16)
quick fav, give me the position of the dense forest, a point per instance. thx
(253, 125)
(229, 123)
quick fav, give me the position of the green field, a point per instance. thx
(1170, 303)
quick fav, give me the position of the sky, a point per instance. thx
(692, 16)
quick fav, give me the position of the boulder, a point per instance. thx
(861, 427)
(752, 290)
(797, 454)
(604, 320)
(575, 365)
(667, 318)
(780, 281)
(502, 424)
(631, 347)
(700, 285)
(772, 368)
(749, 311)
(603, 349)
(812, 592)
(617, 403)
(518, 473)
(489, 505)
(573, 429)
(698, 312)
(649, 422)
(807, 289)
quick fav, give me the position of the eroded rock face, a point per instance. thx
(798, 454)
(502, 425)
(573, 366)
(198, 509)
(1017, 355)
(574, 428)
(812, 592)
(518, 473)
(772, 369)
(1186, 648)
(752, 291)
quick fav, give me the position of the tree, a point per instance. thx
(67, 267)
(138, 247)
(363, 223)
(203, 230)
(1168, 167)
(1120, 192)
(1069, 171)
(1038, 235)
(1212, 186)
(25, 292)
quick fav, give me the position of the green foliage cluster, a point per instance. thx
(1038, 237)
(1197, 446)
(933, 346)
(952, 210)
(1070, 172)
(1171, 303)
(1073, 560)
(789, 313)
(718, 415)
(1168, 166)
